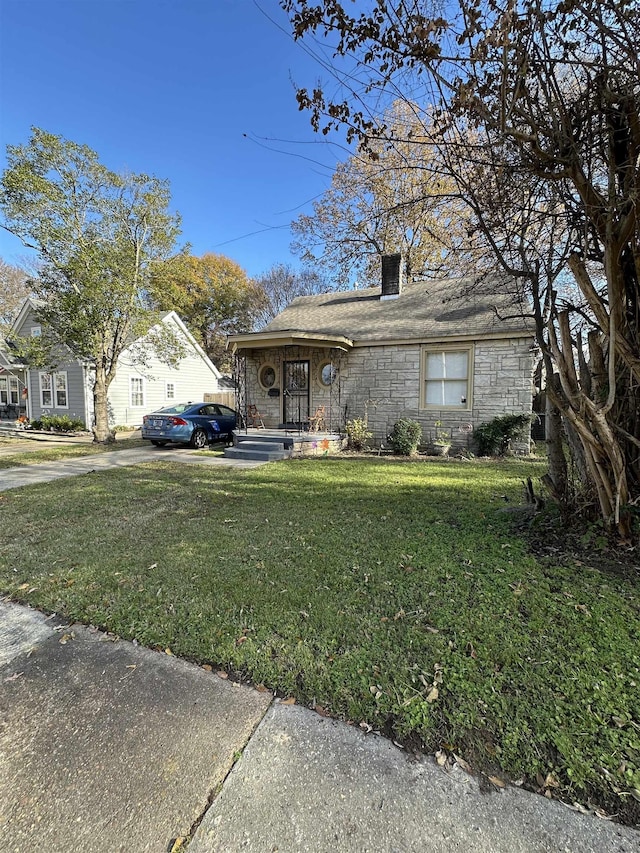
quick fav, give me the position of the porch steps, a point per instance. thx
(267, 449)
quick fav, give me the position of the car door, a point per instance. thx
(208, 419)
(226, 419)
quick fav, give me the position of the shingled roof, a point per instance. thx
(452, 308)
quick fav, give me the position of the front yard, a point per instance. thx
(389, 593)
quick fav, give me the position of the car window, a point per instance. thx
(225, 410)
(178, 409)
(208, 411)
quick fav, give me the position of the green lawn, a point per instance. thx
(393, 594)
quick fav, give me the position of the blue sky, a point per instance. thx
(199, 92)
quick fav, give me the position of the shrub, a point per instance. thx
(443, 437)
(58, 423)
(492, 438)
(358, 433)
(405, 437)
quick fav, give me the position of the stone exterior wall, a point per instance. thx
(382, 383)
(270, 405)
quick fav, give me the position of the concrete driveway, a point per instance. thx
(42, 472)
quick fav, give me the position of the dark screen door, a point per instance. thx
(296, 392)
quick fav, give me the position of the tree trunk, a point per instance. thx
(557, 475)
(102, 432)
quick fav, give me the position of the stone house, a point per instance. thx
(141, 385)
(450, 354)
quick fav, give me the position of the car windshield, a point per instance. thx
(178, 409)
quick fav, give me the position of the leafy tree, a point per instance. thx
(96, 233)
(391, 196)
(281, 284)
(551, 89)
(212, 294)
(14, 288)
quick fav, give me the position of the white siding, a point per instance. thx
(192, 379)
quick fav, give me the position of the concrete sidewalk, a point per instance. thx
(106, 746)
(43, 472)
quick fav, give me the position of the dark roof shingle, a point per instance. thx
(425, 309)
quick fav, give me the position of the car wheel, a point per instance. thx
(158, 443)
(199, 439)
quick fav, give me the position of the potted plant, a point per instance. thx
(442, 442)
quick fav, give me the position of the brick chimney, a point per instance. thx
(391, 276)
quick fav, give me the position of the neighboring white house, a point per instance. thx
(66, 389)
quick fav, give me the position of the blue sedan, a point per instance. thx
(195, 424)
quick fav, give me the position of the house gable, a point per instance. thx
(141, 388)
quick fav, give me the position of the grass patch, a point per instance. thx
(390, 592)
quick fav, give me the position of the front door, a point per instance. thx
(296, 393)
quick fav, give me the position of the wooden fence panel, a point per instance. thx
(226, 398)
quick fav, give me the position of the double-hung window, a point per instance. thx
(54, 391)
(46, 390)
(60, 386)
(170, 391)
(446, 377)
(9, 390)
(136, 389)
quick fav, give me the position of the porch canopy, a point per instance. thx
(286, 338)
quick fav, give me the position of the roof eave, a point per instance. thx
(288, 337)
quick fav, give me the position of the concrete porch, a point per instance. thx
(272, 444)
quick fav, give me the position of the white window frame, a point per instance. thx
(169, 384)
(36, 331)
(53, 390)
(424, 379)
(141, 392)
(60, 374)
(4, 390)
(43, 390)
(14, 391)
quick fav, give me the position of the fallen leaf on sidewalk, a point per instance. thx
(168, 651)
(290, 701)
(441, 758)
(207, 667)
(463, 764)
(222, 674)
(495, 780)
(64, 639)
(178, 844)
(14, 677)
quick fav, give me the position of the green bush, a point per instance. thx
(405, 437)
(58, 423)
(358, 433)
(492, 438)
